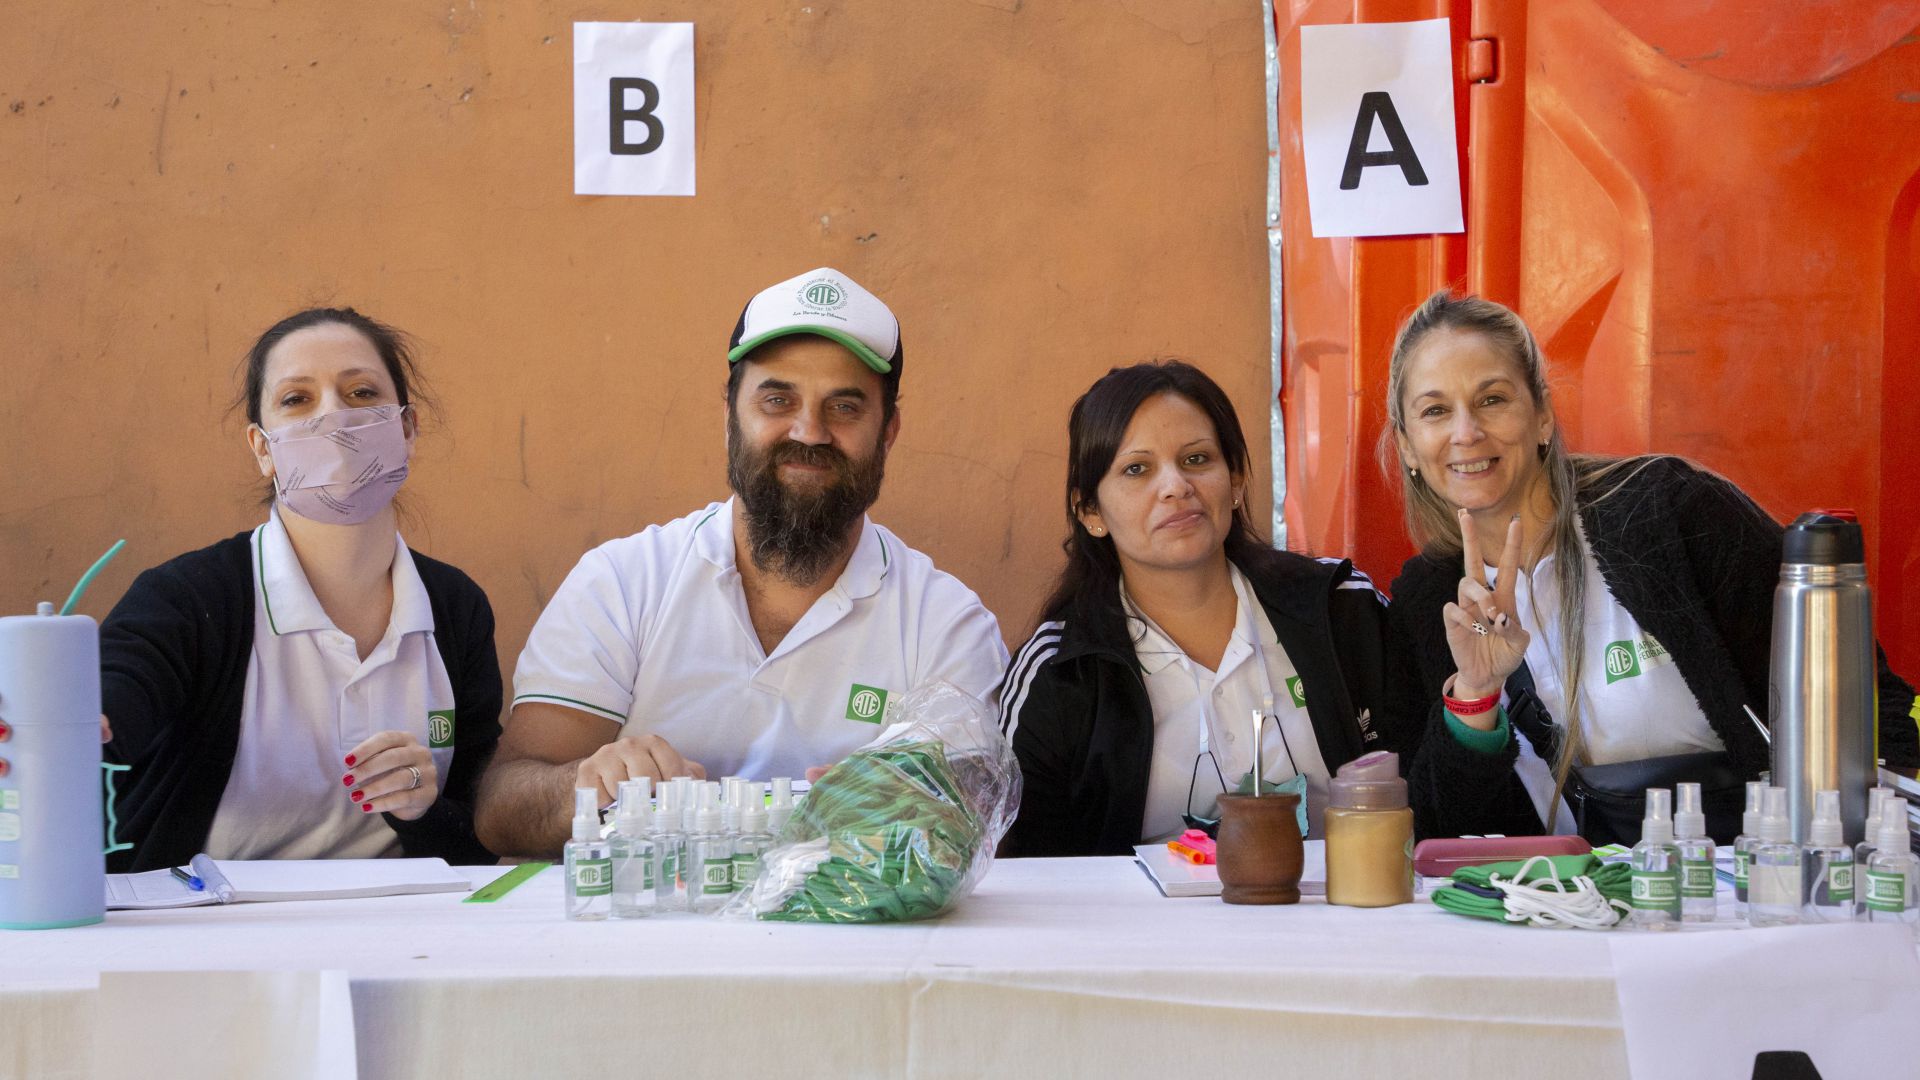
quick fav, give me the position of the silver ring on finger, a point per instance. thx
(415, 769)
(1479, 628)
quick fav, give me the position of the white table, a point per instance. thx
(1052, 968)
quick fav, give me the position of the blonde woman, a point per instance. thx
(1570, 614)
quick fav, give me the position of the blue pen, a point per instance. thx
(188, 880)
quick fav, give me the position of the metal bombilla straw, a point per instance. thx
(1259, 722)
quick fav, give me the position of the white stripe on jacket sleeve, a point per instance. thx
(1013, 690)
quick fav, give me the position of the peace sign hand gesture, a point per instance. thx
(1487, 642)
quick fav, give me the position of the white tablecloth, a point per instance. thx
(1060, 968)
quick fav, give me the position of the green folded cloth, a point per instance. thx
(1614, 880)
(900, 838)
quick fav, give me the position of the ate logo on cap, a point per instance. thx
(823, 294)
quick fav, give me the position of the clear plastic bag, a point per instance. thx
(902, 829)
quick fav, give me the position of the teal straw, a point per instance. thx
(86, 579)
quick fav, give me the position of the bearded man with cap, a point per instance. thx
(758, 636)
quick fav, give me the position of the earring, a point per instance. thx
(1097, 530)
(1236, 502)
(1413, 473)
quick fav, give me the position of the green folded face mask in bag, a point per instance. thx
(1472, 885)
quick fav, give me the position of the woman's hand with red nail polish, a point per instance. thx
(385, 774)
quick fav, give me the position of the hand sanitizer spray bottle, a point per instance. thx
(710, 857)
(1656, 867)
(730, 801)
(634, 894)
(1829, 864)
(749, 845)
(1743, 847)
(781, 806)
(589, 860)
(1893, 875)
(1697, 903)
(1773, 883)
(686, 797)
(1869, 843)
(669, 852)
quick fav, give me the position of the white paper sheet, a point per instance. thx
(285, 879)
(1347, 68)
(1702, 1005)
(1176, 877)
(645, 70)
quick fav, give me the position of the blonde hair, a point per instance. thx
(1431, 520)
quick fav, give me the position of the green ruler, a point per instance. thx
(505, 883)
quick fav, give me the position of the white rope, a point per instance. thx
(1549, 903)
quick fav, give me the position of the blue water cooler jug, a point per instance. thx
(52, 798)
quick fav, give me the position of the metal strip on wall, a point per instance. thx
(1277, 324)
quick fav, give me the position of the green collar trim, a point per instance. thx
(260, 571)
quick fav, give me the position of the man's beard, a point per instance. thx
(798, 534)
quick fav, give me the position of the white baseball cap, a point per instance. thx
(824, 302)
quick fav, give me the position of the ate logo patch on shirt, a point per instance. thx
(439, 728)
(1297, 692)
(1625, 659)
(866, 703)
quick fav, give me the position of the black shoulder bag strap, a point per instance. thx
(1528, 716)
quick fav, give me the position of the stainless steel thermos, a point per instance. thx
(1823, 673)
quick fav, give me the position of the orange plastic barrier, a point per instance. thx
(1708, 215)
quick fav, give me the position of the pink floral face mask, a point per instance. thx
(341, 468)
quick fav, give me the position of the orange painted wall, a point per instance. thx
(1041, 189)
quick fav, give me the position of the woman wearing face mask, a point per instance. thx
(1130, 709)
(310, 688)
(1623, 606)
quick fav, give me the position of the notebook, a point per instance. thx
(237, 881)
(1175, 876)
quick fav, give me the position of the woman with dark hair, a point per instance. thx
(1131, 708)
(310, 688)
(1571, 613)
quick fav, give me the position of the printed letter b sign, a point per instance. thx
(633, 108)
(1376, 129)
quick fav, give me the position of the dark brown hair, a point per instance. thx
(1087, 592)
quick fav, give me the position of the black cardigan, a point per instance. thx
(1695, 562)
(174, 654)
(1082, 723)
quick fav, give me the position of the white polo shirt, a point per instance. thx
(1634, 703)
(1197, 710)
(651, 631)
(309, 699)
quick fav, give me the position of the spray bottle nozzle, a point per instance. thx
(1689, 821)
(586, 813)
(1658, 824)
(1775, 826)
(1750, 818)
(1824, 830)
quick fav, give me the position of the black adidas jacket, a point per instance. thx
(1695, 562)
(1077, 712)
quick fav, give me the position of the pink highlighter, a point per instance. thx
(1194, 846)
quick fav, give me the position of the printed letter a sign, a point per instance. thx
(1376, 129)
